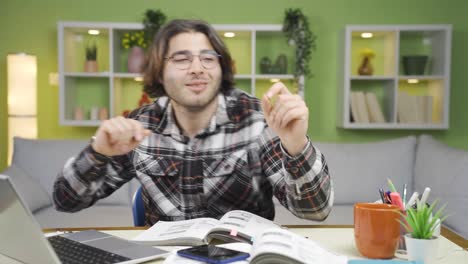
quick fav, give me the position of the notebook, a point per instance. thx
(21, 238)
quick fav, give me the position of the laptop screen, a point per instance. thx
(21, 238)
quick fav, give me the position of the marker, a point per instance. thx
(396, 200)
(404, 193)
(425, 195)
(412, 200)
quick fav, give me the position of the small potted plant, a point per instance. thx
(420, 223)
(91, 64)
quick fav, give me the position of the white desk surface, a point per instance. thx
(338, 240)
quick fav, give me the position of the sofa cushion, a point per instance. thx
(358, 170)
(339, 215)
(43, 159)
(95, 216)
(29, 188)
(445, 171)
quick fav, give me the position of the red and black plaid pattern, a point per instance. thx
(237, 162)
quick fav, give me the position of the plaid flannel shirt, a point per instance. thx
(237, 162)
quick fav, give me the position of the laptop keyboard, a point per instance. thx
(71, 252)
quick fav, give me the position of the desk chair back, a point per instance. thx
(138, 208)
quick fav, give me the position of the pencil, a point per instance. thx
(390, 184)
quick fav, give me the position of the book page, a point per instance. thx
(292, 248)
(242, 223)
(177, 231)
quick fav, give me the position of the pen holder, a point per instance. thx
(376, 229)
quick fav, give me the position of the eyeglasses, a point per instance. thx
(183, 59)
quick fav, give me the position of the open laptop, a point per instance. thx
(21, 238)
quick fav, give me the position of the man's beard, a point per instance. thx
(195, 108)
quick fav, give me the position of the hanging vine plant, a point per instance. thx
(296, 29)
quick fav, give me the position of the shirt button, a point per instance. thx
(294, 169)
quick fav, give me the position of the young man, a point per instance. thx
(202, 148)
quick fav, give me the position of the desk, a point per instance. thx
(338, 238)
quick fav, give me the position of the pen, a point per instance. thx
(390, 184)
(412, 199)
(425, 195)
(382, 196)
(404, 193)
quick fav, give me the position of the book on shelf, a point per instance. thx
(277, 245)
(234, 226)
(416, 109)
(374, 108)
(359, 107)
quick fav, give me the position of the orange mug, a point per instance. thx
(376, 229)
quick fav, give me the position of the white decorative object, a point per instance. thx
(22, 86)
(94, 114)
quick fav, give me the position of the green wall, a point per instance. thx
(31, 26)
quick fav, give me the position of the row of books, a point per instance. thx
(365, 108)
(414, 109)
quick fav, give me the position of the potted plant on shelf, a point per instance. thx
(420, 223)
(91, 64)
(135, 42)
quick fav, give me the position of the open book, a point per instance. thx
(234, 226)
(276, 245)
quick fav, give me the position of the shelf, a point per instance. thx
(85, 95)
(117, 90)
(409, 95)
(240, 48)
(128, 75)
(372, 78)
(383, 43)
(74, 41)
(87, 74)
(273, 54)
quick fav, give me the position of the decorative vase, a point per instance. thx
(366, 67)
(282, 64)
(265, 65)
(103, 113)
(78, 113)
(136, 58)
(424, 250)
(414, 64)
(91, 66)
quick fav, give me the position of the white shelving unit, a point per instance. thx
(112, 87)
(406, 101)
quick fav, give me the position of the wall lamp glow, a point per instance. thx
(367, 35)
(93, 32)
(229, 34)
(413, 81)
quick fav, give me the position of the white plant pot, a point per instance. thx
(422, 249)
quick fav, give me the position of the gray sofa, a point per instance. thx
(357, 170)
